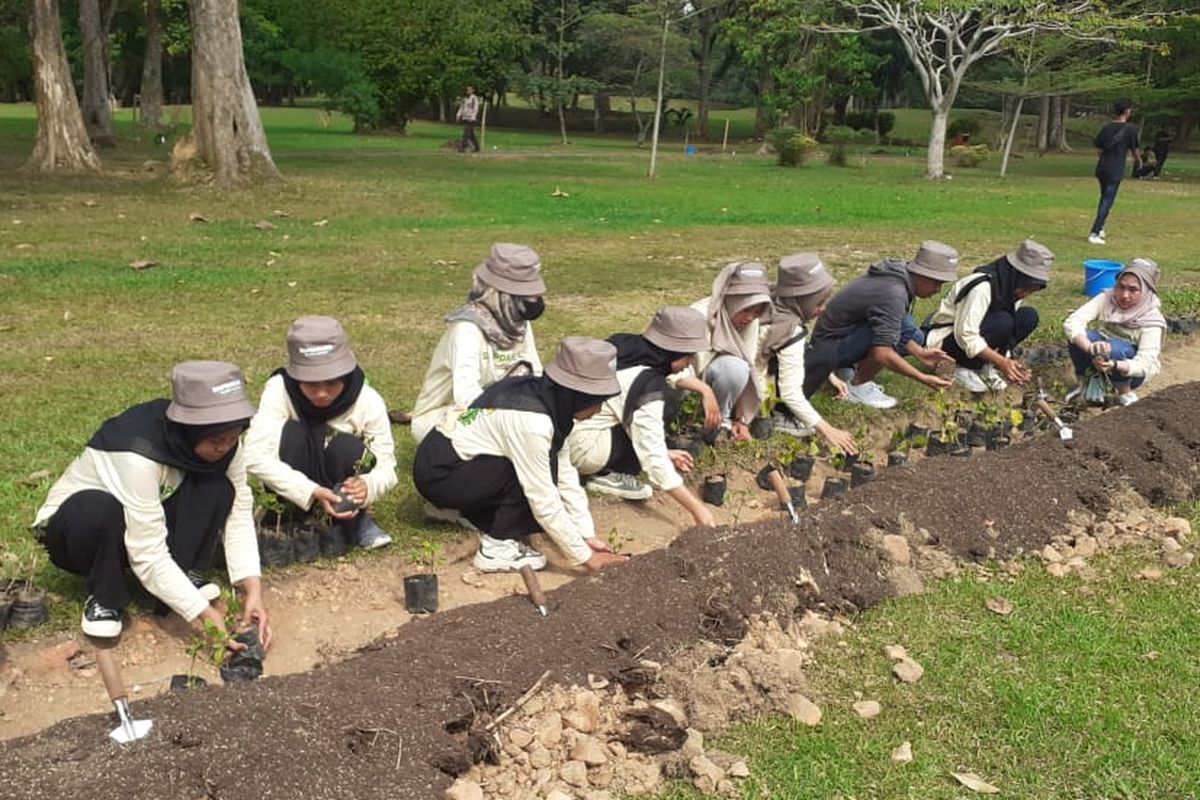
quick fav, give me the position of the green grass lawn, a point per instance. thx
(85, 336)
(1084, 691)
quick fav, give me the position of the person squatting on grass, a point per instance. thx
(504, 466)
(1114, 140)
(1126, 342)
(487, 338)
(628, 434)
(868, 325)
(152, 491)
(800, 292)
(321, 432)
(740, 297)
(983, 317)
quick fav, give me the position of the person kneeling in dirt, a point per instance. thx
(628, 435)
(321, 434)
(504, 466)
(868, 325)
(1129, 337)
(152, 491)
(740, 297)
(983, 318)
(799, 295)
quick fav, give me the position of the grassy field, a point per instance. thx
(85, 336)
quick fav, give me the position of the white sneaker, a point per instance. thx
(1127, 398)
(1096, 238)
(1074, 393)
(845, 373)
(450, 515)
(506, 555)
(870, 394)
(619, 484)
(969, 379)
(991, 376)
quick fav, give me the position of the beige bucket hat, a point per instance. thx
(802, 274)
(678, 329)
(513, 268)
(936, 261)
(1032, 259)
(208, 393)
(318, 350)
(586, 365)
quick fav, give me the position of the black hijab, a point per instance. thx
(205, 493)
(310, 449)
(635, 350)
(540, 394)
(1005, 280)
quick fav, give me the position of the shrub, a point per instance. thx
(969, 125)
(885, 121)
(969, 155)
(861, 120)
(791, 146)
(839, 136)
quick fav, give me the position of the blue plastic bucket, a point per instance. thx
(690, 150)
(1099, 275)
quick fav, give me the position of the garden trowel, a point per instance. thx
(1064, 432)
(130, 729)
(779, 485)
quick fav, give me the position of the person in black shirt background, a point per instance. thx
(1113, 141)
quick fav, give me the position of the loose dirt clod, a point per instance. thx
(907, 670)
(903, 754)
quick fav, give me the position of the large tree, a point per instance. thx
(151, 91)
(95, 20)
(226, 128)
(944, 40)
(62, 142)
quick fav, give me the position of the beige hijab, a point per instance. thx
(1148, 312)
(739, 286)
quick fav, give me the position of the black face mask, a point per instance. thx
(530, 308)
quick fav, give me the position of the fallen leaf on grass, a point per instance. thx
(292, 284)
(321, 223)
(90, 203)
(33, 478)
(975, 783)
(68, 316)
(559, 193)
(999, 605)
(194, 217)
(141, 264)
(23, 246)
(263, 225)
(279, 213)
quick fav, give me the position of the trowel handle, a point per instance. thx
(1045, 408)
(535, 589)
(780, 486)
(111, 675)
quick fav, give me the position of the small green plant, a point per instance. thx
(365, 462)
(617, 540)
(267, 502)
(425, 553)
(837, 458)
(969, 155)
(792, 147)
(989, 412)
(899, 443)
(950, 431)
(213, 640)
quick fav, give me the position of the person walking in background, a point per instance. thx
(468, 112)
(1114, 140)
(983, 318)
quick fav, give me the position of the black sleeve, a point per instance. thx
(1131, 132)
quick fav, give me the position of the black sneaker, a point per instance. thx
(100, 621)
(208, 590)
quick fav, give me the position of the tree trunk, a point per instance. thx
(601, 105)
(441, 108)
(1064, 114)
(1043, 126)
(766, 85)
(935, 157)
(1054, 134)
(1012, 134)
(658, 105)
(62, 141)
(226, 128)
(97, 113)
(152, 82)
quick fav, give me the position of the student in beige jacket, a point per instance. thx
(503, 463)
(153, 490)
(321, 437)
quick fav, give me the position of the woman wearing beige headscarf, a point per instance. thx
(798, 297)
(740, 297)
(1128, 337)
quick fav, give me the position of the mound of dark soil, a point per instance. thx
(375, 725)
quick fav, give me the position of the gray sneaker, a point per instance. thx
(626, 487)
(371, 536)
(790, 426)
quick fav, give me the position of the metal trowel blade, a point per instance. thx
(134, 730)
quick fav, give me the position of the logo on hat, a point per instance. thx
(751, 272)
(315, 350)
(229, 387)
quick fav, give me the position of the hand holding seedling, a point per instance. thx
(836, 437)
(254, 611)
(840, 390)
(741, 431)
(329, 499)
(1015, 372)
(602, 555)
(712, 410)
(356, 488)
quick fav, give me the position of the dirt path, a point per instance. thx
(323, 614)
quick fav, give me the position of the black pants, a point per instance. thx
(1001, 330)
(86, 536)
(483, 489)
(621, 455)
(1108, 196)
(341, 454)
(468, 137)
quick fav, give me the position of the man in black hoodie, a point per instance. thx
(869, 325)
(1113, 141)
